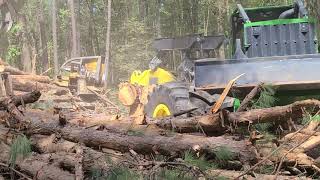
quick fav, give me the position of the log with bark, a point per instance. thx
(246, 101)
(101, 121)
(14, 71)
(34, 166)
(52, 144)
(28, 86)
(33, 77)
(11, 103)
(214, 173)
(218, 123)
(172, 144)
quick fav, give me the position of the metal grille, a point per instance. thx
(280, 40)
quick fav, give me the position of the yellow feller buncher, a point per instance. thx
(82, 75)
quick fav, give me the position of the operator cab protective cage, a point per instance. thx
(274, 31)
(278, 46)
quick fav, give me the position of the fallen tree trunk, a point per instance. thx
(14, 71)
(219, 122)
(26, 98)
(35, 167)
(35, 78)
(256, 90)
(101, 121)
(92, 158)
(62, 152)
(234, 174)
(10, 104)
(28, 86)
(176, 144)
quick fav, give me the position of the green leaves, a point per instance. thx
(266, 99)
(200, 162)
(21, 147)
(13, 53)
(174, 174)
(223, 155)
(122, 173)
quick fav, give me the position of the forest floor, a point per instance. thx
(48, 133)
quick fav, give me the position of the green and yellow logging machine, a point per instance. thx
(276, 45)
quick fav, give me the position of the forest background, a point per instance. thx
(134, 25)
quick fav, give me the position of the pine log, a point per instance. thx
(92, 158)
(113, 124)
(256, 90)
(14, 71)
(35, 167)
(176, 144)
(79, 164)
(28, 86)
(234, 174)
(10, 69)
(26, 98)
(10, 105)
(35, 78)
(217, 123)
(62, 152)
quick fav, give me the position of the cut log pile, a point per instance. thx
(87, 145)
(76, 143)
(26, 82)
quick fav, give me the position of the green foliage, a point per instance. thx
(21, 147)
(13, 52)
(263, 127)
(15, 29)
(223, 154)
(173, 174)
(122, 173)
(200, 162)
(308, 117)
(266, 99)
(95, 174)
(266, 169)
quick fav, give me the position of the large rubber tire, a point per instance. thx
(174, 95)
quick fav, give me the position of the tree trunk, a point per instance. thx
(55, 40)
(256, 90)
(26, 54)
(158, 19)
(35, 166)
(142, 9)
(78, 22)
(53, 145)
(26, 85)
(107, 58)
(36, 78)
(74, 52)
(10, 104)
(217, 123)
(234, 174)
(14, 71)
(166, 145)
(43, 39)
(61, 153)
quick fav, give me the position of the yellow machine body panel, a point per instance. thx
(160, 75)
